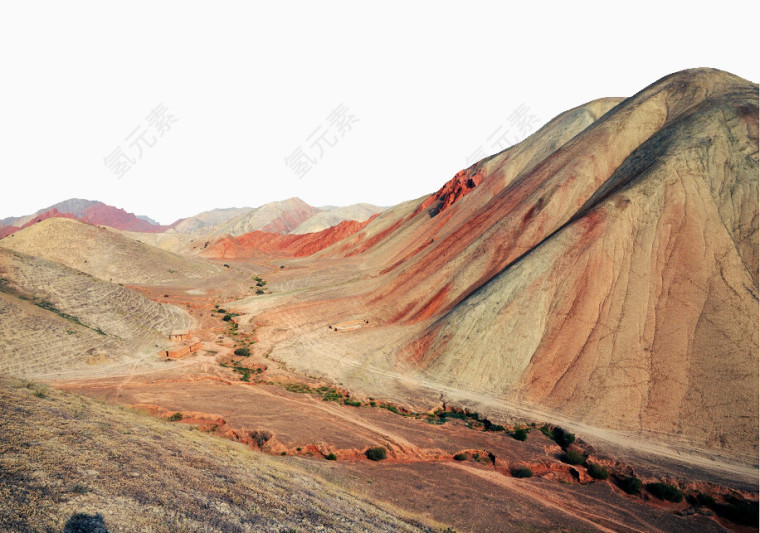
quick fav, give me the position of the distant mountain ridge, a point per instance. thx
(288, 216)
(90, 211)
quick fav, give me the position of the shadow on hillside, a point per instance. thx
(84, 523)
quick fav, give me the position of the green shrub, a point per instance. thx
(665, 491)
(227, 317)
(378, 453)
(331, 457)
(460, 457)
(520, 434)
(563, 437)
(220, 310)
(352, 403)
(597, 471)
(259, 291)
(176, 417)
(631, 485)
(522, 471)
(704, 500)
(573, 457)
(244, 352)
(739, 512)
(391, 408)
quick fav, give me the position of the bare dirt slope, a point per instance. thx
(605, 270)
(104, 253)
(63, 455)
(55, 320)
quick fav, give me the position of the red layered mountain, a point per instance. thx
(106, 215)
(50, 213)
(605, 269)
(90, 212)
(290, 245)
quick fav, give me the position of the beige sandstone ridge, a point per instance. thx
(332, 216)
(207, 219)
(605, 270)
(55, 321)
(105, 253)
(274, 217)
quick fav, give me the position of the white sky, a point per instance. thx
(427, 81)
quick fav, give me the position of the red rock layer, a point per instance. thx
(454, 190)
(250, 244)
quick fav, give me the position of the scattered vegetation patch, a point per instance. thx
(328, 394)
(460, 457)
(245, 373)
(176, 417)
(352, 403)
(378, 453)
(665, 491)
(522, 472)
